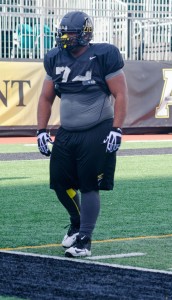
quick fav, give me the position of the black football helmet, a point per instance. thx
(80, 25)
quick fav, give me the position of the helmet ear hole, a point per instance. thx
(75, 22)
(84, 39)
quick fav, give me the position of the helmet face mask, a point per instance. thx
(76, 30)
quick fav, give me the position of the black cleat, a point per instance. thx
(81, 248)
(70, 237)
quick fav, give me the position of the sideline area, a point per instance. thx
(32, 276)
(143, 137)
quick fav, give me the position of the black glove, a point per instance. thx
(113, 139)
(43, 138)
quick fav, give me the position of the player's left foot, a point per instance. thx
(81, 248)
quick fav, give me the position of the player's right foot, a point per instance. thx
(70, 237)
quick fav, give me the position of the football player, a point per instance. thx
(89, 80)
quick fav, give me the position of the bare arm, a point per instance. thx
(45, 103)
(118, 87)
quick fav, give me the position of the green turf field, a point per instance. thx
(134, 227)
(24, 148)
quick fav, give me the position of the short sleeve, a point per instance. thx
(50, 61)
(47, 65)
(113, 60)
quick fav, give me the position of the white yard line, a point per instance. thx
(27, 145)
(147, 141)
(116, 256)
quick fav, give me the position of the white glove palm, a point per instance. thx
(113, 140)
(43, 138)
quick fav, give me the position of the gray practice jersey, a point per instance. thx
(81, 84)
(84, 110)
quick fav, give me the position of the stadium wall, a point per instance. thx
(150, 97)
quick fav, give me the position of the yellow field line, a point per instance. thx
(95, 242)
(134, 238)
